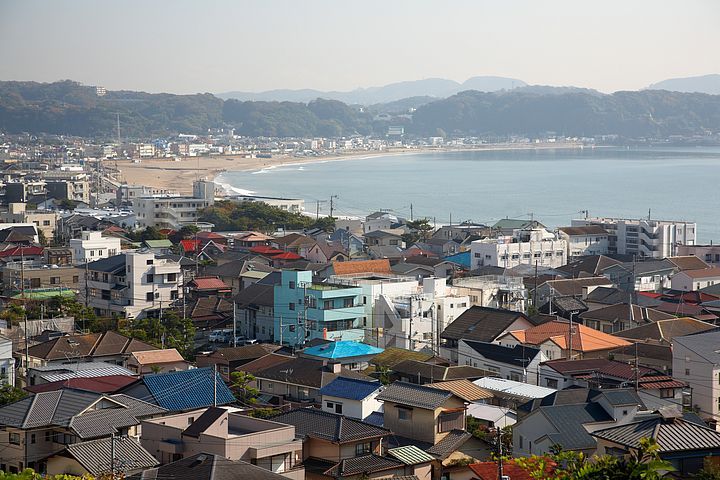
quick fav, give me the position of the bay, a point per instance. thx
(552, 185)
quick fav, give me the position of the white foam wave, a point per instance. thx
(230, 190)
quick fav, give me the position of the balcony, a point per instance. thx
(341, 313)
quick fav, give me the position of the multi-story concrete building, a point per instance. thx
(585, 240)
(130, 283)
(305, 310)
(524, 247)
(223, 431)
(145, 150)
(494, 291)
(43, 220)
(68, 185)
(644, 237)
(175, 211)
(93, 246)
(39, 275)
(7, 362)
(696, 361)
(710, 254)
(295, 205)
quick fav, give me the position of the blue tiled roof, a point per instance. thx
(350, 388)
(376, 418)
(342, 349)
(187, 390)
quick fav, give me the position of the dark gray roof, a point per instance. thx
(256, 295)
(481, 323)
(612, 296)
(109, 265)
(413, 395)
(363, 465)
(569, 421)
(329, 426)
(452, 441)
(203, 422)
(619, 397)
(412, 369)
(94, 455)
(46, 408)
(207, 466)
(519, 355)
(592, 264)
(642, 268)
(671, 434)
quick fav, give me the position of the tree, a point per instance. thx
(172, 330)
(42, 238)
(419, 230)
(14, 313)
(383, 373)
(240, 386)
(10, 394)
(30, 474)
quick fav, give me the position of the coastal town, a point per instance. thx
(157, 325)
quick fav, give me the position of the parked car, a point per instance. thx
(220, 336)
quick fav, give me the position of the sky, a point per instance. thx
(183, 46)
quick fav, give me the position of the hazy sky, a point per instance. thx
(216, 46)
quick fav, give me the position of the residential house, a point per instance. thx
(110, 347)
(421, 373)
(569, 417)
(227, 360)
(643, 237)
(480, 324)
(329, 437)
(183, 390)
(107, 384)
(654, 388)
(294, 243)
(556, 340)
(647, 276)
(160, 247)
(207, 466)
(690, 280)
(221, 431)
(131, 283)
(696, 361)
(255, 312)
(384, 238)
(38, 427)
(86, 458)
(507, 226)
(157, 361)
(709, 253)
(664, 331)
(585, 240)
(40, 279)
(7, 362)
(648, 354)
(604, 296)
(421, 413)
(350, 354)
(208, 286)
(682, 439)
(44, 220)
(401, 462)
(304, 310)
(92, 245)
(464, 389)
(687, 262)
(587, 266)
(495, 291)
(391, 356)
(299, 379)
(519, 363)
(70, 371)
(574, 287)
(352, 397)
(622, 316)
(524, 247)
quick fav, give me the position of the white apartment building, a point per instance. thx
(696, 361)
(524, 247)
(68, 184)
(644, 237)
(129, 283)
(585, 240)
(145, 150)
(494, 291)
(7, 362)
(93, 246)
(175, 211)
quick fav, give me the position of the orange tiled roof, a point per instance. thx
(151, 357)
(362, 266)
(584, 339)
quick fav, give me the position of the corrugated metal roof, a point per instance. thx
(464, 389)
(94, 455)
(187, 390)
(510, 387)
(410, 455)
(672, 435)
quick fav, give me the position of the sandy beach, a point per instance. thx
(177, 175)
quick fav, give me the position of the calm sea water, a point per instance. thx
(484, 186)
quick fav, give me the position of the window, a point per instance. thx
(75, 279)
(363, 449)
(149, 296)
(338, 408)
(404, 413)
(32, 438)
(687, 372)
(548, 254)
(172, 277)
(46, 223)
(149, 262)
(520, 437)
(552, 383)
(330, 405)
(291, 285)
(14, 438)
(667, 393)
(173, 295)
(150, 278)
(191, 420)
(291, 306)
(303, 393)
(47, 435)
(54, 280)
(347, 302)
(450, 421)
(537, 254)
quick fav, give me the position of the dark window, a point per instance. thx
(150, 262)
(363, 449)
(404, 413)
(291, 285)
(451, 421)
(149, 297)
(32, 438)
(15, 439)
(173, 294)
(291, 306)
(150, 278)
(172, 277)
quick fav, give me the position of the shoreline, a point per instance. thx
(176, 176)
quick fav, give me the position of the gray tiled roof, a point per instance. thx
(569, 420)
(329, 426)
(365, 464)
(672, 435)
(621, 396)
(94, 455)
(207, 466)
(519, 355)
(46, 408)
(452, 441)
(103, 422)
(480, 323)
(414, 395)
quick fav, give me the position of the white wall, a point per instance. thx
(7, 362)
(468, 356)
(93, 246)
(702, 376)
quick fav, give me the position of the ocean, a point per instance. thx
(553, 186)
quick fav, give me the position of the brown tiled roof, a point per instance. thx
(689, 262)
(584, 230)
(246, 352)
(464, 389)
(93, 344)
(362, 266)
(703, 272)
(665, 330)
(266, 361)
(111, 343)
(153, 357)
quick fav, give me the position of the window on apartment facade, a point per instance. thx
(172, 277)
(149, 262)
(54, 280)
(14, 439)
(112, 251)
(150, 278)
(404, 413)
(687, 372)
(327, 305)
(174, 295)
(363, 449)
(526, 255)
(291, 285)
(348, 302)
(551, 383)
(667, 393)
(515, 256)
(537, 254)
(75, 279)
(291, 306)
(149, 296)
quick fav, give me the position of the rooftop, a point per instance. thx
(342, 349)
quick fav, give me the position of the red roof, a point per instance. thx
(166, 231)
(210, 236)
(265, 250)
(104, 384)
(489, 470)
(287, 256)
(189, 245)
(18, 250)
(209, 283)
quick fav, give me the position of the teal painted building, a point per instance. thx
(305, 310)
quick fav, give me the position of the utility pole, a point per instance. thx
(535, 289)
(637, 369)
(317, 208)
(112, 455)
(234, 325)
(281, 331)
(215, 385)
(87, 277)
(411, 212)
(501, 474)
(332, 205)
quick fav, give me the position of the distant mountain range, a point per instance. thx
(709, 84)
(430, 87)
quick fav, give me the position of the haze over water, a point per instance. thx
(676, 183)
